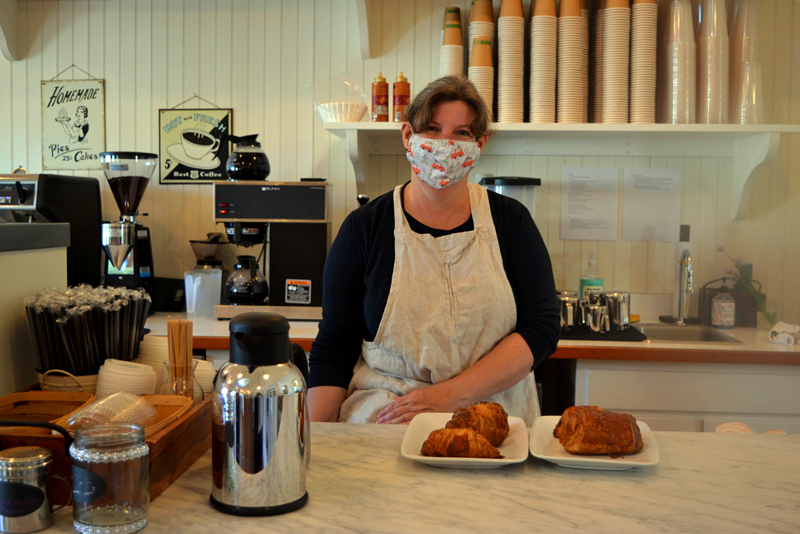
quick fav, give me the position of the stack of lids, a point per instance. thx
(544, 34)
(451, 60)
(677, 85)
(510, 62)
(644, 15)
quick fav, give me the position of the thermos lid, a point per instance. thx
(260, 338)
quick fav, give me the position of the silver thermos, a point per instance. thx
(260, 427)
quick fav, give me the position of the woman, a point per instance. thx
(440, 293)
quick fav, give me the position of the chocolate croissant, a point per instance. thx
(458, 443)
(487, 418)
(593, 430)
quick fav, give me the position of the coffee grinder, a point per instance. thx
(291, 219)
(127, 242)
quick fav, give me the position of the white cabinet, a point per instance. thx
(693, 396)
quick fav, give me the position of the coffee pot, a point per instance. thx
(246, 285)
(260, 427)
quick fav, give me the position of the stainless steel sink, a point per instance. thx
(685, 334)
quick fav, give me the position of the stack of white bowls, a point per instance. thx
(597, 113)
(616, 61)
(154, 351)
(644, 36)
(481, 23)
(116, 375)
(678, 85)
(544, 34)
(510, 62)
(451, 59)
(585, 59)
(570, 62)
(745, 66)
(481, 70)
(713, 82)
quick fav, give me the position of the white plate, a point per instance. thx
(545, 446)
(514, 449)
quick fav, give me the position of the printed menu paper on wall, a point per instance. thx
(652, 205)
(589, 203)
(192, 148)
(73, 124)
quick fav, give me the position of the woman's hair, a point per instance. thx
(454, 88)
(84, 110)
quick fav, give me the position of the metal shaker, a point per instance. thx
(24, 472)
(260, 428)
(570, 312)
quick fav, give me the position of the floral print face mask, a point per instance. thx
(441, 162)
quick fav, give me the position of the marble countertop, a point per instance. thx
(358, 482)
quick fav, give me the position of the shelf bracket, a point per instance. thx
(359, 157)
(9, 20)
(364, 10)
(750, 155)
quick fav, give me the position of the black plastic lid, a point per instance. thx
(510, 181)
(260, 338)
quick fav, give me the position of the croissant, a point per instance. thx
(460, 443)
(487, 418)
(593, 430)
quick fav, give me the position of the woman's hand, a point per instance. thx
(435, 398)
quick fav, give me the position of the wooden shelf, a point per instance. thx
(751, 146)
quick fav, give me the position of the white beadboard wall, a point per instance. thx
(257, 56)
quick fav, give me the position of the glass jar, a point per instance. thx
(111, 478)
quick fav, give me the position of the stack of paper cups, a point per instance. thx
(644, 36)
(616, 61)
(585, 59)
(678, 85)
(544, 34)
(598, 63)
(570, 62)
(744, 51)
(713, 63)
(451, 60)
(510, 62)
(481, 70)
(481, 23)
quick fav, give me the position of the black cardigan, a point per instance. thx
(358, 275)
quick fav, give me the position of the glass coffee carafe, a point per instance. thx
(246, 285)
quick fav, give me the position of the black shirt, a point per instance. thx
(358, 275)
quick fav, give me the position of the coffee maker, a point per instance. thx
(291, 219)
(127, 242)
(53, 198)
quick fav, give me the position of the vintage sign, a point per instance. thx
(73, 124)
(192, 148)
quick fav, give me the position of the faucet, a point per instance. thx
(685, 284)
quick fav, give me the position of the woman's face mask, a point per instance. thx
(441, 162)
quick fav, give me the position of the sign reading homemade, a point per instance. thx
(73, 124)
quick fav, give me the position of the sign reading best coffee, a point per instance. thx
(192, 148)
(73, 124)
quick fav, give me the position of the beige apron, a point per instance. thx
(449, 304)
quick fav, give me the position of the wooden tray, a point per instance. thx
(168, 409)
(172, 451)
(41, 406)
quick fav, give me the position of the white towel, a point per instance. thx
(785, 334)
